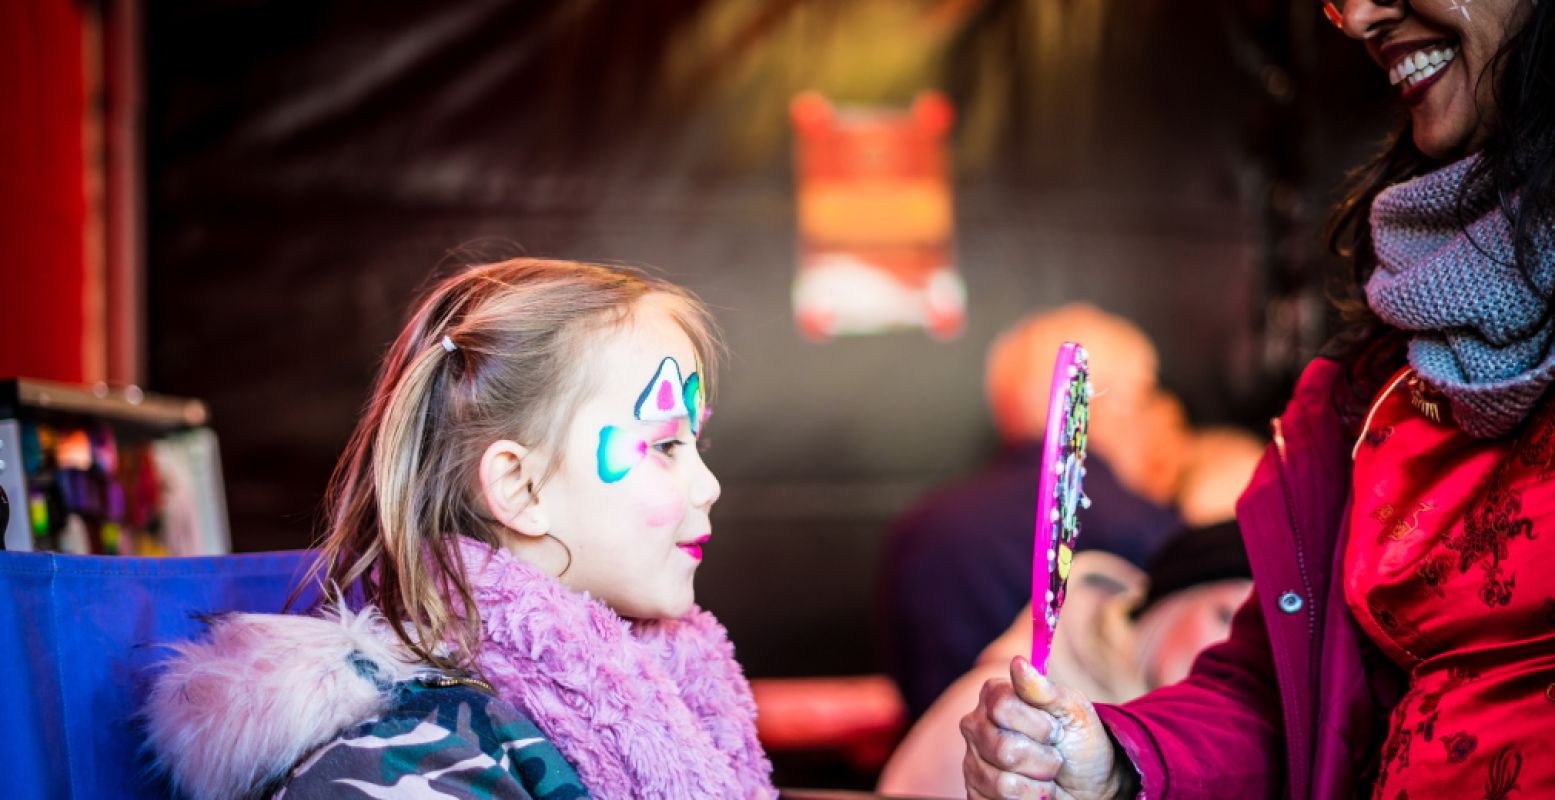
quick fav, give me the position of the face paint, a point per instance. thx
(630, 498)
(666, 398)
(695, 402)
(618, 452)
(663, 398)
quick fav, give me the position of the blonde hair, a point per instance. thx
(497, 351)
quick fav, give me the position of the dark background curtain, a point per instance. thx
(312, 164)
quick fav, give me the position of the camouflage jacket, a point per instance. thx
(329, 705)
(442, 737)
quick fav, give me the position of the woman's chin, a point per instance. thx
(1444, 132)
(1438, 144)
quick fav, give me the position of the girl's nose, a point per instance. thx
(705, 488)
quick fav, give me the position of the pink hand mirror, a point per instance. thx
(1059, 495)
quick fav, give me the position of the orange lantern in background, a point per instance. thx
(876, 221)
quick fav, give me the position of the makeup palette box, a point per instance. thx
(108, 471)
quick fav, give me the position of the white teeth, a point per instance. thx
(1419, 65)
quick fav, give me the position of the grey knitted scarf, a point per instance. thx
(1480, 334)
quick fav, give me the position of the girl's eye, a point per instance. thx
(668, 448)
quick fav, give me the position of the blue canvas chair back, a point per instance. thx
(79, 638)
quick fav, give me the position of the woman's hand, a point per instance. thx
(1030, 738)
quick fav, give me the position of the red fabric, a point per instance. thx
(42, 190)
(1449, 570)
(1294, 703)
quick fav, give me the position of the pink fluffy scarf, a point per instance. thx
(656, 709)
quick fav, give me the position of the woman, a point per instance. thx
(1401, 637)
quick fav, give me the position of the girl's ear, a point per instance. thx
(508, 488)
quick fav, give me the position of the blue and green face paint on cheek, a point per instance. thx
(666, 397)
(619, 451)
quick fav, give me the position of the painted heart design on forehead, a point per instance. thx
(668, 397)
(664, 397)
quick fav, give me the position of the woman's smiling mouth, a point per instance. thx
(1417, 65)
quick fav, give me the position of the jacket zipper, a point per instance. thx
(1301, 567)
(1290, 510)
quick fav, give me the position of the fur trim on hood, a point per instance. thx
(232, 713)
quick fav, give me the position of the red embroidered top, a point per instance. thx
(1450, 569)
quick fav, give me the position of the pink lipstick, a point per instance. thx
(694, 548)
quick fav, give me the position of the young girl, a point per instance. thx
(523, 508)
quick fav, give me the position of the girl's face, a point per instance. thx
(632, 497)
(1434, 53)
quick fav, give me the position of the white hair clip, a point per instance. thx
(448, 344)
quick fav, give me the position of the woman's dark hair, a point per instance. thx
(1517, 163)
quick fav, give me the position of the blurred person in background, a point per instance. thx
(1399, 643)
(1215, 467)
(957, 566)
(1125, 630)
(1155, 465)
